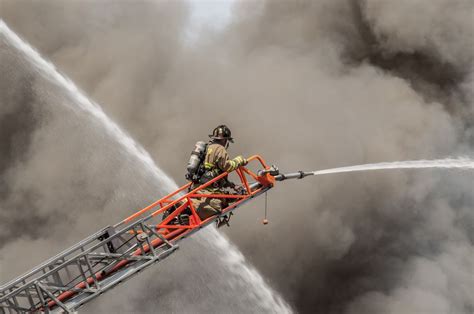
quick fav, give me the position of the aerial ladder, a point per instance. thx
(115, 253)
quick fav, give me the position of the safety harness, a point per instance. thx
(210, 172)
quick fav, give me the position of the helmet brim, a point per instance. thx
(230, 139)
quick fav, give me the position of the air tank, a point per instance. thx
(197, 155)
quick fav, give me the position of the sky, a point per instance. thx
(209, 13)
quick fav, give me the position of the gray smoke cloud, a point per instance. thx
(66, 177)
(307, 84)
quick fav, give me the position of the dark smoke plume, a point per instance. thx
(310, 85)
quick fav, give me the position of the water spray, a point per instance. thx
(448, 163)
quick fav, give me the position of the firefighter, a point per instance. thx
(217, 161)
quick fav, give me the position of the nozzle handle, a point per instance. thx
(273, 171)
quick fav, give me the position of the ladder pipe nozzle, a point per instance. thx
(294, 175)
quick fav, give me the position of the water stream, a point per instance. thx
(448, 163)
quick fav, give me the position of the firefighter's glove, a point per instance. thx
(241, 161)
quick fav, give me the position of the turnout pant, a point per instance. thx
(206, 206)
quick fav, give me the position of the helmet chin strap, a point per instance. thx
(226, 144)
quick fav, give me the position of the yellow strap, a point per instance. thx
(208, 165)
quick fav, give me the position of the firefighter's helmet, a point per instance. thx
(222, 132)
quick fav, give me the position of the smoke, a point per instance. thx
(80, 184)
(307, 84)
